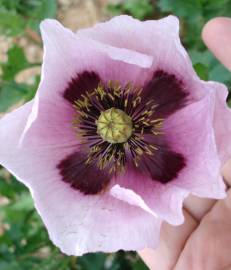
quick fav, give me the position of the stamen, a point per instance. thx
(112, 121)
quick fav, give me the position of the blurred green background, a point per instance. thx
(24, 243)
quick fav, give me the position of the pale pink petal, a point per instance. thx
(157, 38)
(50, 122)
(35, 138)
(191, 133)
(63, 60)
(165, 201)
(12, 126)
(126, 32)
(129, 196)
(76, 223)
(222, 121)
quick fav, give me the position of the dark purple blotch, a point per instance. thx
(85, 81)
(163, 166)
(88, 179)
(167, 91)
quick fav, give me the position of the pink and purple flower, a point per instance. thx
(120, 131)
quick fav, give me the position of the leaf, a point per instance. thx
(9, 186)
(92, 261)
(16, 62)
(202, 71)
(180, 7)
(139, 9)
(17, 15)
(208, 68)
(219, 73)
(203, 57)
(10, 94)
(45, 9)
(24, 202)
(13, 94)
(139, 265)
(11, 23)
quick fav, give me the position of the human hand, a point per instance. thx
(203, 242)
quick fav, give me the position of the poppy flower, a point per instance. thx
(120, 131)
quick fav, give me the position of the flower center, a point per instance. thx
(114, 126)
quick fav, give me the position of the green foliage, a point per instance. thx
(12, 92)
(16, 62)
(139, 9)
(194, 14)
(208, 68)
(16, 15)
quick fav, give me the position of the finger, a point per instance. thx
(227, 268)
(226, 171)
(198, 207)
(172, 241)
(217, 36)
(208, 248)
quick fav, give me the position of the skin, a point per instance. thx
(203, 242)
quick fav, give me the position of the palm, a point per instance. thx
(203, 242)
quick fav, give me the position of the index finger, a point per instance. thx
(217, 36)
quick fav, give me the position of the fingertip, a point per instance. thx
(198, 207)
(210, 28)
(216, 34)
(172, 241)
